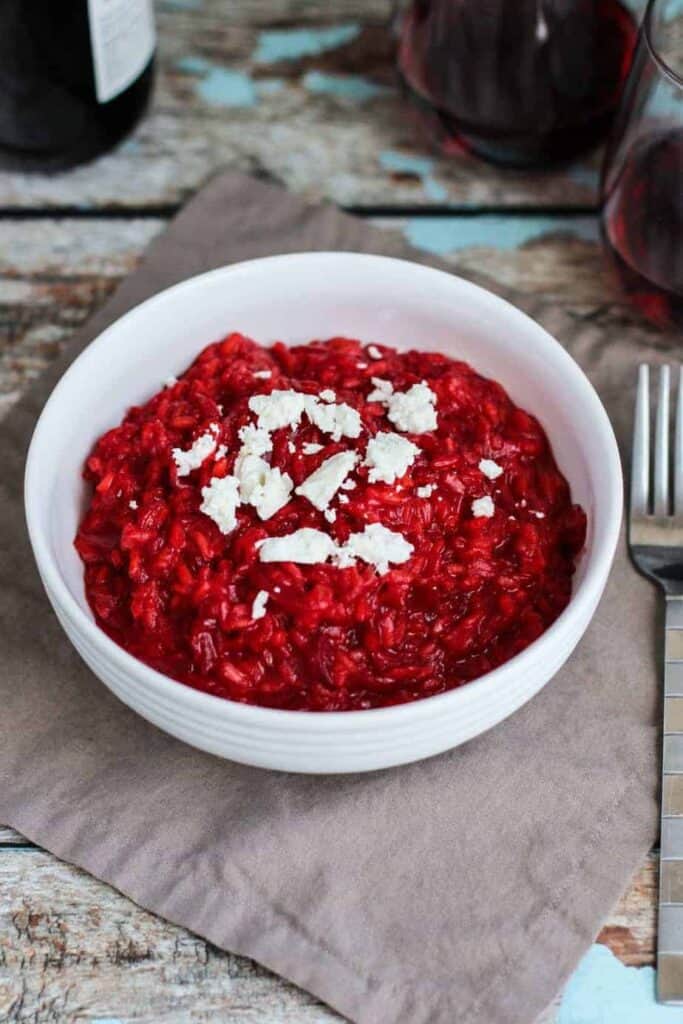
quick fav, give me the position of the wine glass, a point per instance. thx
(642, 181)
(518, 82)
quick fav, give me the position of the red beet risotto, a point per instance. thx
(328, 527)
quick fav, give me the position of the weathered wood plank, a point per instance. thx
(8, 837)
(72, 948)
(53, 274)
(313, 105)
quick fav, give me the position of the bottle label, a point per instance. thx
(123, 40)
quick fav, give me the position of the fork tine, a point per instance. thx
(661, 495)
(640, 466)
(678, 449)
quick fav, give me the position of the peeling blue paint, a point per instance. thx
(295, 43)
(269, 86)
(441, 235)
(180, 5)
(582, 174)
(218, 86)
(605, 991)
(345, 87)
(421, 166)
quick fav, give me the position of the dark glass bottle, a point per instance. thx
(75, 76)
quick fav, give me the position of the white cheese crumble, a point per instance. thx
(220, 500)
(170, 382)
(305, 546)
(133, 504)
(374, 352)
(389, 455)
(197, 453)
(539, 515)
(490, 469)
(291, 447)
(383, 390)
(263, 374)
(426, 491)
(328, 395)
(377, 546)
(483, 507)
(278, 409)
(413, 410)
(362, 366)
(263, 486)
(322, 485)
(349, 485)
(258, 608)
(338, 420)
(343, 500)
(330, 515)
(221, 451)
(255, 440)
(310, 448)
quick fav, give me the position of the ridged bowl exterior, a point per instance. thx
(394, 298)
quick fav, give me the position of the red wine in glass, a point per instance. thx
(643, 227)
(521, 83)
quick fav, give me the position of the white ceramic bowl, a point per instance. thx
(296, 298)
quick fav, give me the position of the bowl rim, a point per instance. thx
(562, 633)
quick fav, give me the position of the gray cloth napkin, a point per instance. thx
(464, 888)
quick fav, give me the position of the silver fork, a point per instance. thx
(656, 546)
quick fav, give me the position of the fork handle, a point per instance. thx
(670, 930)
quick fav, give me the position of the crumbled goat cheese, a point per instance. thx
(377, 546)
(522, 503)
(349, 485)
(384, 389)
(343, 500)
(539, 515)
(221, 452)
(426, 491)
(278, 409)
(133, 504)
(291, 447)
(263, 374)
(258, 608)
(483, 507)
(328, 395)
(220, 500)
(200, 450)
(170, 382)
(338, 420)
(490, 469)
(362, 366)
(330, 515)
(389, 455)
(413, 410)
(310, 448)
(263, 486)
(322, 485)
(305, 546)
(255, 440)
(374, 352)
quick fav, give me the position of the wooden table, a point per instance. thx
(301, 92)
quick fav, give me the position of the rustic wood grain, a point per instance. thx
(74, 949)
(54, 273)
(348, 136)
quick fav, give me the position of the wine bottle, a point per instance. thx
(75, 76)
